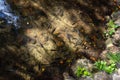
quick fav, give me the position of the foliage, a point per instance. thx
(110, 68)
(115, 57)
(82, 72)
(111, 28)
(111, 24)
(102, 65)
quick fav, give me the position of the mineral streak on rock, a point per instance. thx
(7, 14)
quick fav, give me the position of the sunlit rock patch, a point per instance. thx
(53, 33)
(53, 30)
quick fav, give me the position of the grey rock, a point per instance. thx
(118, 71)
(101, 76)
(87, 78)
(116, 38)
(108, 43)
(117, 22)
(103, 54)
(115, 15)
(118, 65)
(116, 77)
(82, 63)
(67, 76)
(114, 49)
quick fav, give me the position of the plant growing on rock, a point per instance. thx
(100, 65)
(114, 57)
(111, 28)
(108, 68)
(82, 72)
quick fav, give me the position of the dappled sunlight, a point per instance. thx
(39, 46)
(53, 34)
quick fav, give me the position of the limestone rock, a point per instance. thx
(101, 76)
(116, 38)
(67, 76)
(119, 71)
(82, 63)
(116, 77)
(87, 78)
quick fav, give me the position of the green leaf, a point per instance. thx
(111, 28)
(115, 57)
(86, 73)
(82, 72)
(111, 32)
(102, 65)
(111, 24)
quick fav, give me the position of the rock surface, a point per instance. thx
(88, 78)
(116, 77)
(101, 76)
(116, 38)
(82, 63)
(51, 32)
(67, 76)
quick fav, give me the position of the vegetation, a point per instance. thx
(108, 68)
(82, 72)
(114, 57)
(111, 28)
(101, 65)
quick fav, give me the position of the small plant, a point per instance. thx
(100, 65)
(111, 24)
(82, 72)
(115, 57)
(108, 68)
(111, 28)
